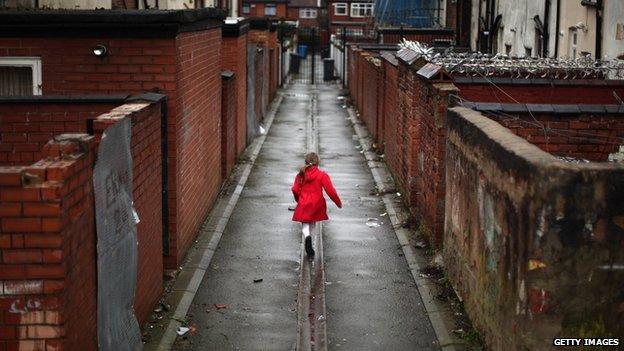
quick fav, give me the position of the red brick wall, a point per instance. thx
(371, 80)
(234, 58)
(423, 38)
(351, 72)
(171, 66)
(417, 159)
(26, 127)
(228, 126)
(590, 137)
(69, 67)
(47, 244)
(147, 197)
(257, 10)
(47, 237)
(581, 92)
(198, 122)
(391, 128)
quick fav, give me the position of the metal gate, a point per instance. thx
(306, 65)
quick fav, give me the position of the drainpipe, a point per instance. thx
(557, 29)
(234, 8)
(599, 29)
(478, 46)
(546, 32)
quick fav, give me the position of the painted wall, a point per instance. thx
(581, 18)
(612, 40)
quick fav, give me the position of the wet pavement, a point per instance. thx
(372, 302)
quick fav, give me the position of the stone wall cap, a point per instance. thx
(107, 23)
(50, 99)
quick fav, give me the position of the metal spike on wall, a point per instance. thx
(478, 64)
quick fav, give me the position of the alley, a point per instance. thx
(370, 296)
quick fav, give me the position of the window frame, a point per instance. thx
(34, 63)
(342, 5)
(357, 7)
(270, 6)
(308, 13)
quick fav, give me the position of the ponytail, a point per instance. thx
(311, 159)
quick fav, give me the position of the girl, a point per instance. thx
(308, 192)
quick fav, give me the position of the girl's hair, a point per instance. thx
(311, 159)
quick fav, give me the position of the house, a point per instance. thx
(308, 13)
(272, 9)
(352, 15)
(552, 28)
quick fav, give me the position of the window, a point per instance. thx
(20, 76)
(246, 9)
(359, 9)
(340, 9)
(270, 10)
(307, 13)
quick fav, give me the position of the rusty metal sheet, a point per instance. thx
(116, 219)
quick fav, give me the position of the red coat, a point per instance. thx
(311, 206)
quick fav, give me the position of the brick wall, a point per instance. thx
(69, 66)
(256, 10)
(147, 196)
(197, 134)
(427, 36)
(234, 58)
(351, 72)
(26, 127)
(47, 237)
(586, 136)
(371, 83)
(228, 125)
(47, 242)
(531, 242)
(417, 128)
(540, 91)
(391, 129)
(172, 66)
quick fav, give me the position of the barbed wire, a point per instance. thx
(499, 65)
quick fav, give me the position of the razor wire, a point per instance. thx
(500, 65)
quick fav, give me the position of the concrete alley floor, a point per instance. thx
(371, 299)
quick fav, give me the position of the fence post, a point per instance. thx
(344, 54)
